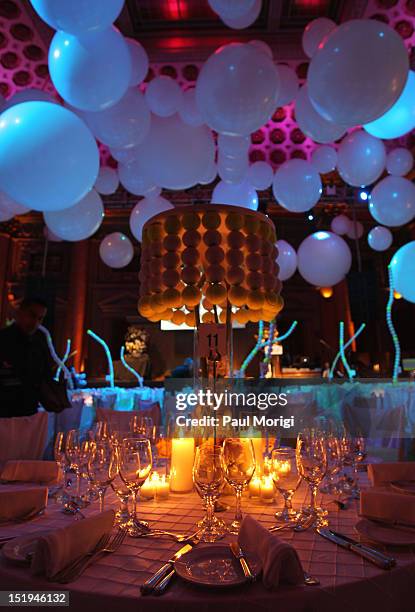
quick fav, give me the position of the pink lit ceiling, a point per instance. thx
(23, 49)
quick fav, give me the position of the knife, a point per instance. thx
(238, 554)
(166, 569)
(368, 553)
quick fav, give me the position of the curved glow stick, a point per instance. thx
(104, 345)
(345, 346)
(391, 328)
(256, 348)
(130, 368)
(64, 359)
(55, 357)
(342, 353)
(270, 342)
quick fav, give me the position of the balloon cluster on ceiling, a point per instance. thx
(359, 89)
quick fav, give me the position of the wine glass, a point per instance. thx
(72, 451)
(334, 463)
(239, 467)
(353, 452)
(102, 467)
(122, 516)
(209, 479)
(283, 469)
(136, 463)
(311, 460)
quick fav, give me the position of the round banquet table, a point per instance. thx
(348, 582)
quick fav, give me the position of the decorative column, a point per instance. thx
(77, 300)
(4, 258)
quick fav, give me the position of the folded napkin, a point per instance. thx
(385, 504)
(280, 562)
(59, 548)
(383, 473)
(26, 470)
(16, 502)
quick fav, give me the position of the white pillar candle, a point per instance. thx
(182, 456)
(254, 487)
(267, 489)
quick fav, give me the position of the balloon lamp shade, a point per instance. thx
(223, 255)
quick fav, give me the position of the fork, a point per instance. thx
(106, 546)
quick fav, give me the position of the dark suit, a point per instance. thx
(25, 362)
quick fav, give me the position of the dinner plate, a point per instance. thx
(404, 486)
(20, 550)
(214, 566)
(392, 536)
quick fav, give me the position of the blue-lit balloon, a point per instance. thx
(48, 157)
(324, 259)
(361, 158)
(78, 16)
(79, 221)
(392, 201)
(403, 271)
(380, 238)
(241, 194)
(93, 72)
(297, 185)
(31, 94)
(400, 119)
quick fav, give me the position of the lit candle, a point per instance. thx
(147, 490)
(258, 444)
(182, 455)
(283, 468)
(267, 489)
(163, 487)
(254, 487)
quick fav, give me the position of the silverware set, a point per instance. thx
(158, 582)
(367, 552)
(107, 544)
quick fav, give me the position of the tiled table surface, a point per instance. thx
(347, 581)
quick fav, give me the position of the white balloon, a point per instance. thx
(314, 34)
(144, 210)
(341, 225)
(49, 235)
(189, 111)
(400, 118)
(232, 169)
(287, 260)
(139, 62)
(297, 185)
(125, 156)
(380, 238)
(392, 201)
(123, 125)
(107, 181)
(324, 159)
(312, 123)
(231, 8)
(236, 89)
(28, 95)
(399, 162)
(233, 145)
(164, 96)
(9, 207)
(288, 85)
(241, 194)
(324, 259)
(403, 271)
(245, 20)
(175, 155)
(209, 174)
(134, 177)
(262, 46)
(361, 159)
(260, 175)
(358, 73)
(78, 222)
(355, 231)
(116, 250)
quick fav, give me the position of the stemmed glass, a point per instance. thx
(136, 463)
(311, 460)
(102, 467)
(239, 467)
(353, 453)
(334, 462)
(60, 456)
(284, 473)
(72, 451)
(209, 479)
(122, 516)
